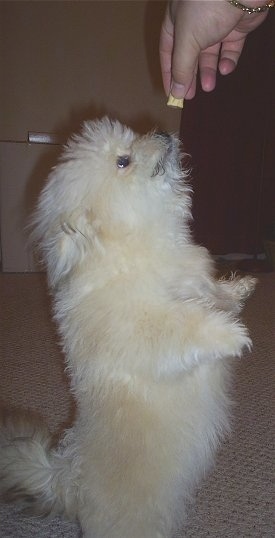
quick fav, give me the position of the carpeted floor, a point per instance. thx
(236, 500)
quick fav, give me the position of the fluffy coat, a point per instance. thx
(148, 335)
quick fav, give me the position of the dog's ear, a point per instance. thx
(67, 241)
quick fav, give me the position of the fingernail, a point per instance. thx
(177, 90)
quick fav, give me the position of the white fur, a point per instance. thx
(148, 333)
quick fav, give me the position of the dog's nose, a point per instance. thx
(163, 134)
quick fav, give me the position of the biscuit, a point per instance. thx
(173, 101)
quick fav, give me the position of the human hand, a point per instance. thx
(202, 35)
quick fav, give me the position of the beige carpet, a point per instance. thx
(236, 500)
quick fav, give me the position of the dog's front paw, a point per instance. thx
(236, 290)
(245, 286)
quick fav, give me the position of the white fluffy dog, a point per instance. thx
(148, 333)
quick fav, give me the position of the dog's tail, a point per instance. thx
(32, 472)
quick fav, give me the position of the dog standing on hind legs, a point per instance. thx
(148, 334)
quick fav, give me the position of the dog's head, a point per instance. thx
(110, 185)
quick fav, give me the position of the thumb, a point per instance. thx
(184, 65)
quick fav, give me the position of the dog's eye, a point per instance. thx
(123, 161)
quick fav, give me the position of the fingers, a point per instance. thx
(230, 54)
(208, 63)
(184, 68)
(191, 92)
(185, 57)
(224, 56)
(178, 69)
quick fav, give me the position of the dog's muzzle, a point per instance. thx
(167, 143)
(165, 137)
(167, 140)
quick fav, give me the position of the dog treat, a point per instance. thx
(174, 102)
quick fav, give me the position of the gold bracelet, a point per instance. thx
(250, 10)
